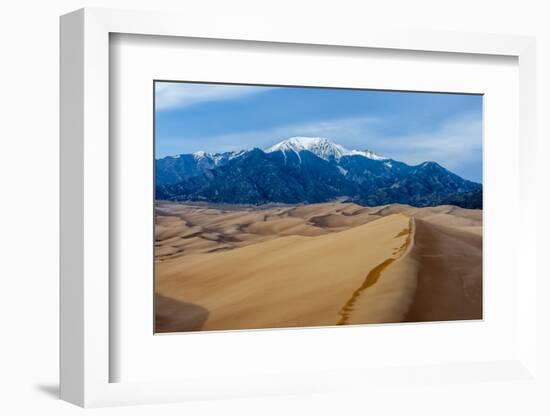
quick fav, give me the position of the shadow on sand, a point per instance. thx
(172, 315)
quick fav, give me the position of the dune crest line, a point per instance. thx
(375, 273)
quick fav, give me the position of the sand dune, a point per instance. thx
(288, 281)
(239, 267)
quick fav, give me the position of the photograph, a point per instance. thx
(313, 206)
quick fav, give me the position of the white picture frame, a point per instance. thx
(85, 210)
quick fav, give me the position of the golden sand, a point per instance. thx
(221, 268)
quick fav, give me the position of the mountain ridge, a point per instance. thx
(309, 170)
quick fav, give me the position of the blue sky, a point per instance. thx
(406, 126)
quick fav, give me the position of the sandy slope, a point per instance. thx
(439, 278)
(288, 281)
(231, 267)
(449, 285)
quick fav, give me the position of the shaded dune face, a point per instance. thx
(241, 267)
(449, 274)
(172, 315)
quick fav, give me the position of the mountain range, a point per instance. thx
(309, 170)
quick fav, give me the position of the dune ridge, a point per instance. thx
(373, 277)
(438, 279)
(242, 267)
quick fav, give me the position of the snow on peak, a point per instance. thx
(372, 155)
(320, 146)
(200, 154)
(236, 153)
(216, 158)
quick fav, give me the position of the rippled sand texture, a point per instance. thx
(239, 267)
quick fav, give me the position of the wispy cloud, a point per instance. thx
(171, 95)
(349, 132)
(454, 143)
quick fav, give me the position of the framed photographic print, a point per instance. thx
(271, 212)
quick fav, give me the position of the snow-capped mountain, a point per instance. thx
(216, 158)
(173, 169)
(322, 147)
(309, 170)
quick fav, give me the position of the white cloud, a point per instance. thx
(348, 132)
(170, 95)
(452, 144)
